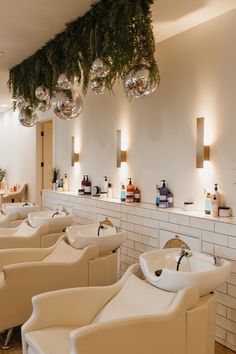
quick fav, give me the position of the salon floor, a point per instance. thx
(16, 346)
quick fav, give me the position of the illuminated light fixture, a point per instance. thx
(121, 154)
(202, 151)
(74, 155)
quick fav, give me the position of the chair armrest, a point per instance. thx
(152, 334)
(13, 256)
(19, 241)
(4, 231)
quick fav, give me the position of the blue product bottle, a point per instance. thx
(158, 195)
(123, 193)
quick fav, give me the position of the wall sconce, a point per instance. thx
(202, 151)
(74, 155)
(121, 154)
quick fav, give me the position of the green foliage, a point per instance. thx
(117, 31)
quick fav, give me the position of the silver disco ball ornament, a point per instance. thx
(64, 83)
(28, 118)
(129, 84)
(21, 103)
(99, 69)
(44, 106)
(42, 93)
(66, 107)
(138, 83)
(141, 80)
(97, 85)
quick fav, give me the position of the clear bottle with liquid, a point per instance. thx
(123, 193)
(157, 195)
(208, 203)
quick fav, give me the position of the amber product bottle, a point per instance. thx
(87, 188)
(130, 189)
(137, 195)
(81, 190)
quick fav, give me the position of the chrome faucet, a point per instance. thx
(56, 213)
(217, 261)
(183, 253)
(101, 227)
(64, 211)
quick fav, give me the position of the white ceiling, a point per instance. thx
(27, 24)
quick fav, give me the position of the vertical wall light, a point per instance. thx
(121, 154)
(74, 155)
(202, 151)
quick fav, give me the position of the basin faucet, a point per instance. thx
(25, 204)
(56, 213)
(64, 211)
(101, 227)
(183, 253)
(217, 261)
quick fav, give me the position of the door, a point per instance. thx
(44, 159)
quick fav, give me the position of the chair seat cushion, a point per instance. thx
(63, 253)
(136, 298)
(54, 340)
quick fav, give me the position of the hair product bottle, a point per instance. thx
(137, 195)
(214, 207)
(87, 188)
(123, 193)
(157, 195)
(65, 183)
(130, 192)
(208, 204)
(217, 194)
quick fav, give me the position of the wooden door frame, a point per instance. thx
(39, 159)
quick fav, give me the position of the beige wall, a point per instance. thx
(17, 151)
(198, 78)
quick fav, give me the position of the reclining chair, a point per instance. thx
(129, 317)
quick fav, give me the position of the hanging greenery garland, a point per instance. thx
(119, 32)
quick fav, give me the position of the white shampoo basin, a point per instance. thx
(160, 269)
(22, 209)
(56, 222)
(107, 241)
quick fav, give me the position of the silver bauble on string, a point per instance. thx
(129, 84)
(44, 106)
(138, 83)
(99, 69)
(64, 83)
(28, 117)
(97, 85)
(42, 93)
(66, 107)
(141, 79)
(21, 103)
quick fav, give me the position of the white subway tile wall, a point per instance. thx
(149, 228)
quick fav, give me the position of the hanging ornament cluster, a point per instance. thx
(98, 72)
(97, 49)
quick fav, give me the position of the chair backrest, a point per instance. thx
(136, 298)
(63, 253)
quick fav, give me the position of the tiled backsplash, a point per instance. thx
(150, 228)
